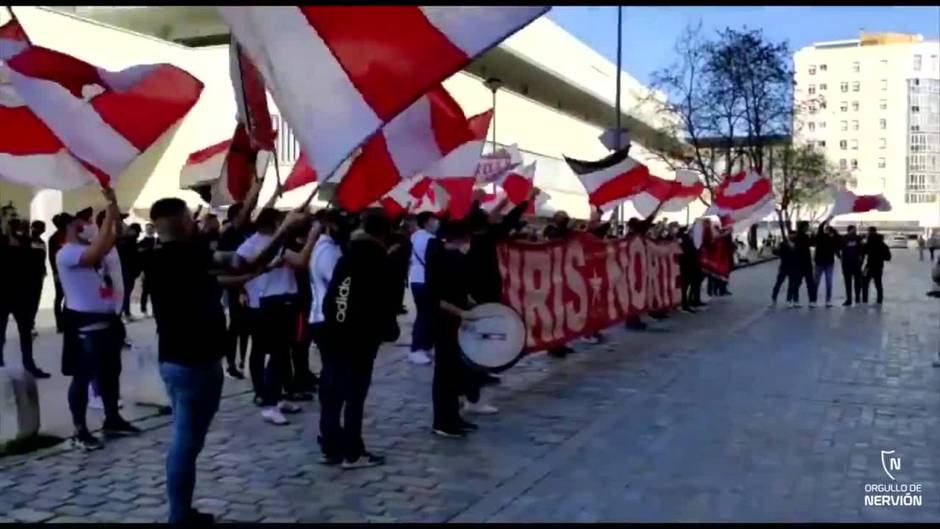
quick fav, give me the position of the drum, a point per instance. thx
(492, 338)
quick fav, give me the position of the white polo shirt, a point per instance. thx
(85, 287)
(419, 251)
(276, 282)
(326, 254)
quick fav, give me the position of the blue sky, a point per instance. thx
(649, 33)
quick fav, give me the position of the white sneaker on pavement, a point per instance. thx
(479, 408)
(419, 358)
(274, 416)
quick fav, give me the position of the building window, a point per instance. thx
(812, 89)
(856, 67)
(822, 124)
(882, 143)
(812, 69)
(844, 87)
(915, 108)
(884, 84)
(844, 106)
(843, 144)
(812, 126)
(822, 86)
(856, 86)
(883, 123)
(843, 164)
(822, 143)
(822, 105)
(854, 163)
(854, 145)
(918, 59)
(883, 104)
(822, 67)
(843, 125)
(882, 163)
(854, 124)
(854, 106)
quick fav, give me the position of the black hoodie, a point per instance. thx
(361, 303)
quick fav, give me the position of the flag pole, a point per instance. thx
(618, 212)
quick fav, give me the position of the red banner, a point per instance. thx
(716, 257)
(571, 288)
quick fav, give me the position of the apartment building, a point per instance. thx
(872, 104)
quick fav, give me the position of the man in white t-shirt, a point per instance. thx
(273, 305)
(422, 337)
(94, 335)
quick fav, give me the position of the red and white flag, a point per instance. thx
(223, 173)
(427, 131)
(518, 183)
(251, 99)
(742, 196)
(668, 195)
(67, 124)
(848, 202)
(339, 73)
(612, 180)
(405, 195)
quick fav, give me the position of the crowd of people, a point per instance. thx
(263, 285)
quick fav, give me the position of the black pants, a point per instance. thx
(301, 378)
(238, 332)
(129, 280)
(852, 276)
(144, 293)
(797, 276)
(99, 359)
(448, 384)
(873, 275)
(25, 316)
(782, 276)
(344, 386)
(272, 339)
(58, 304)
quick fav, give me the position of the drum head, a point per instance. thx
(493, 337)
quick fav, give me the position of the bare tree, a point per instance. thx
(802, 182)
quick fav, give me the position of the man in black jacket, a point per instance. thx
(360, 311)
(802, 267)
(851, 253)
(876, 253)
(785, 268)
(827, 241)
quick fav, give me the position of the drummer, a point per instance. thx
(448, 293)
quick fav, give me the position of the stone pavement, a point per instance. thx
(737, 414)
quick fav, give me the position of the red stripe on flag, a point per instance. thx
(517, 187)
(210, 151)
(865, 203)
(12, 30)
(392, 54)
(622, 185)
(364, 181)
(752, 196)
(302, 173)
(64, 70)
(421, 188)
(448, 121)
(22, 133)
(480, 124)
(146, 111)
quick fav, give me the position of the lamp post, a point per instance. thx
(494, 84)
(618, 212)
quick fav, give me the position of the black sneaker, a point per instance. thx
(118, 428)
(364, 461)
(330, 461)
(233, 372)
(83, 440)
(299, 397)
(846, 303)
(659, 316)
(199, 519)
(491, 380)
(38, 373)
(454, 432)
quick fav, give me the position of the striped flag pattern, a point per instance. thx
(67, 123)
(742, 196)
(847, 202)
(612, 180)
(339, 73)
(668, 195)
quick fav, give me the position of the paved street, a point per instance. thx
(737, 414)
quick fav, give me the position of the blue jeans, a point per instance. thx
(194, 395)
(827, 271)
(422, 335)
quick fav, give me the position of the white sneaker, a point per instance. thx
(479, 408)
(288, 407)
(419, 358)
(273, 416)
(812, 304)
(592, 340)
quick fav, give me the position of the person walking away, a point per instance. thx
(447, 275)
(921, 245)
(94, 333)
(360, 312)
(326, 253)
(802, 267)
(785, 267)
(423, 243)
(876, 254)
(145, 250)
(272, 297)
(61, 222)
(851, 253)
(825, 257)
(190, 321)
(18, 284)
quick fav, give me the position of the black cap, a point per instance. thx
(84, 214)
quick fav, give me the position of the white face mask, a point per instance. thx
(88, 232)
